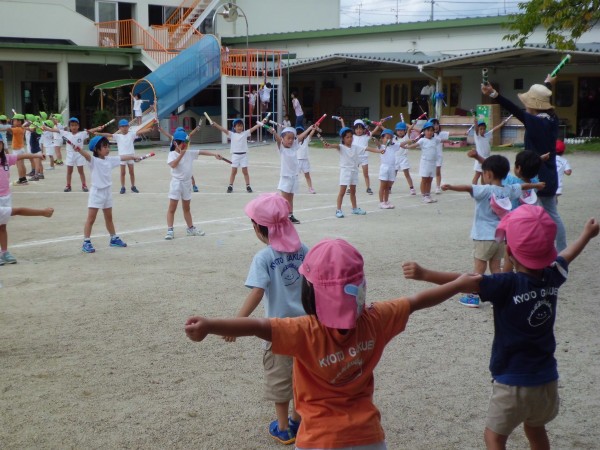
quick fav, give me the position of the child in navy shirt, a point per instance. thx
(523, 366)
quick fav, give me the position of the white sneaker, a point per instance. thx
(438, 190)
(428, 199)
(412, 191)
(389, 205)
(193, 231)
(382, 205)
(170, 235)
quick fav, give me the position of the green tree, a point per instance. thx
(564, 20)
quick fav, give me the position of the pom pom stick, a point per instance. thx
(336, 117)
(484, 76)
(147, 155)
(317, 123)
(561, 64)
(210, 122)
(402, 117)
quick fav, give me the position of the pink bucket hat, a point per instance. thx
(272, 211)
(335, 269)
(501, 206)
(530, 234)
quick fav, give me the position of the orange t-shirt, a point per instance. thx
(18, 138)
(333, 374)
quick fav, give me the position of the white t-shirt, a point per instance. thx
(137, 105)
(265, 94)
(361, 141)
(483, 146)
(289, 160)
(561, 165)
(183, 171)
(302, 152)
(101, 170)
(252, 99)
(297, 108)
(349, 156)
(389, 157)
(239, 141)
(428, 148)
(77, 139)
(125, 142)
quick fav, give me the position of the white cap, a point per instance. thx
(359, 122)
(288, 130)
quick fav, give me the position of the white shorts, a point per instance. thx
(180, 189)
(348, 177)
(46, 142)
(137, 112)
(363, 160)
(303, 166)
(402, 163)
(49, 151)
(75, 159)
(100, 198)
(6, 201)
(477, 167)
(440, 158)
(387, 173)
(5, 213)
(427, 168)
(288, 185)
(130, 162)
(57, 142)
(239, 160)
(19, 151)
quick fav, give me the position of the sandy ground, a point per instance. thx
(92, 348)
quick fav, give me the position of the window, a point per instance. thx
(387, 95)
(404, 95)
(396, 95)
(564, 94)
(86, 8)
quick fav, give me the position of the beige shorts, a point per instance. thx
(488, 250)
(510, 406)
(278, 376)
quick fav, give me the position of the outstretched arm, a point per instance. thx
(590, 231)
(436, 295)
(458, 188)
(539, 186)
(207, 153)
(501, 124)
(250, 304)
(197, 328)
(82, 152)
(413, 271)
(473, 154)
(328, 145)
(219, 127)
(166, 133)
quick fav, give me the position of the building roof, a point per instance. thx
(531, 54)
(369, 30)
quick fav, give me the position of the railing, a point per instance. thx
(252, 62)
(182, 12)
(129, 33)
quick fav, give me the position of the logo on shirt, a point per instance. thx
(541, 312)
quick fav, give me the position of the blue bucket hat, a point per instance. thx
(428, 124)
(401, 126)
(344, 131)
(180, 136)
(236, 121)
(388, 132)
(481, 122)
(95, 141)
(123, 123)
(299, 129)
(74, 119)
(180, 129)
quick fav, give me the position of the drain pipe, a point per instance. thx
(438, 88)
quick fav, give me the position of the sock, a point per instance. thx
(87, 239)
(169, 228)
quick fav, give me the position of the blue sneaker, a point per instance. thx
(123, 190)
(293, 425)
(358, 211)
(88, 247)
(339, 214)
(282, 436)
(470, 300)
(195, 188)
(8, 258)
(116, 241)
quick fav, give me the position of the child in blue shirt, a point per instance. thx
(274, 274)
(522, 364)
(487, 252)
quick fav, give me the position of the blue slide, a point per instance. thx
(178, 80)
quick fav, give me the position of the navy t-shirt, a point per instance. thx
(524, 315)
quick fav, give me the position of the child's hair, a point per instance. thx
(269, 85)
(345, 131)
(529, 163)
(498, 165)
(308, 298)
(2, 154)
(264, 231)
(96, 144)
(138, 96)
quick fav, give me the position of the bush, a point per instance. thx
(100, 117)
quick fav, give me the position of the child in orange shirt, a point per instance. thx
(18, 145)
(336, 346)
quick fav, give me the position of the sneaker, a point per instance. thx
(195, 188)
(358, 211)
(50, 168)
(389, 205)
(116, 241)
(282, 436)
(8, 258)
(193, 231)
(293, 219)
(438, 190)
(88, 247)
(248, 188)
(470, 300)
(1, 262)
(339, 214)
(67, 188)
(348, 191)
(123, 190)
(229, 189)
(293, 425)
(32, 173)
(84, 188)
(41, 176)
(312, 191)
(60, 162)
(34, 178)
(170, 235)
(412, 191)
(135, 190)
(369, 191)
(428, 199)
(383, 205)
(21, 182)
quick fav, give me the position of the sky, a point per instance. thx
(376, 12)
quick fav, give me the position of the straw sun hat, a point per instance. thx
(537, 97)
